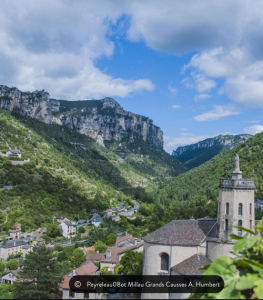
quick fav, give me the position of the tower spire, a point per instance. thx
(237, 174)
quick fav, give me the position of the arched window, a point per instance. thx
(226, 225)
(240, 224)
(227, 208)
(240, 209)
(164, 261)
(250, 208)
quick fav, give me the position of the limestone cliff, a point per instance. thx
(100, 119)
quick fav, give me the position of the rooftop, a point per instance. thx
(124, 238)
(12, 244)
(95, 256)
(87, 268)
(191, 265)
(183, 232)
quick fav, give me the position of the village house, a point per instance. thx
(115, 218)
(95, 257)
(10, 277)
(88, 268)
(111, 258)
(96, 222)
(13, 153)
(60, 219)
(68, 229)
(92, 212)
(39, 241)
(15, 231)
(12, 247)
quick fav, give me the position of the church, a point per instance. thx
(181, 247)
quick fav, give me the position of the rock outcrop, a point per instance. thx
(104, 120)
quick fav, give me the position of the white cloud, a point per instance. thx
(243, 74)
(201, 97)
(172, 90)
(202, 84)
(217, 112)
(253, 129)
(172, 143)
(54, 46)
(176, 106)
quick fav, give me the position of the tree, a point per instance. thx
(6, 291)
(59, 247)
(242, 274)
(40, 276)
(111, 239)
(77, 257)
(105, 271)
(53, 230)
(132, 263)
(2, 267)
(81, 229)
(12, 264)
(100, 246)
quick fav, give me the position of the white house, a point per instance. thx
(13, 153)
(10, 277)
(68, 229)
(12, 247)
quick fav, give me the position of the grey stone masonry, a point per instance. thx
(237, 184)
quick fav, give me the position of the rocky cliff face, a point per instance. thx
(100, 119)
(229, 141)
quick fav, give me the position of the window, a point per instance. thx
(240, 224)
(226, 225)
(71, 294)
(227, 208)
(240, 209)
(164, 261)
(250, 224)
(250, 209)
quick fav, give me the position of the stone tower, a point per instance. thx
(236, 204)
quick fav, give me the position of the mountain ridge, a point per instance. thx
(198, 153)
(100, 119)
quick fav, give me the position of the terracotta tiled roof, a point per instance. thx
(86, 269)
(114, 255)
(40, 240)
(130, 248)
(191, 265)
(124, 238)
(95, 256)
(183, 232)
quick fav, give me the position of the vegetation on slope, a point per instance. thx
(68, 173)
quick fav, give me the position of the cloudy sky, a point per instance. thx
(194, 67)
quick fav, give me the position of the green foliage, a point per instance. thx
(2, 266)
(119, 270)
(6, 291)
(111, 239)
(132, 263)
(77, 257)
(100, 246)
(105, 271)
(81, 229)
(53, 230)
(40, 276)
(59, 247)
(12, 264)
(64, 267)
(243, 274)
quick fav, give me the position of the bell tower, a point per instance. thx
(236, 204)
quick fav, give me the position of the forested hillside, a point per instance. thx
(195, 193)
(69, 173)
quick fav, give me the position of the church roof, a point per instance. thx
(191, 266)
(183, 232)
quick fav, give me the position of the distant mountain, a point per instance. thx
(196, 154)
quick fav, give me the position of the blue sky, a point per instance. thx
(194, 67)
